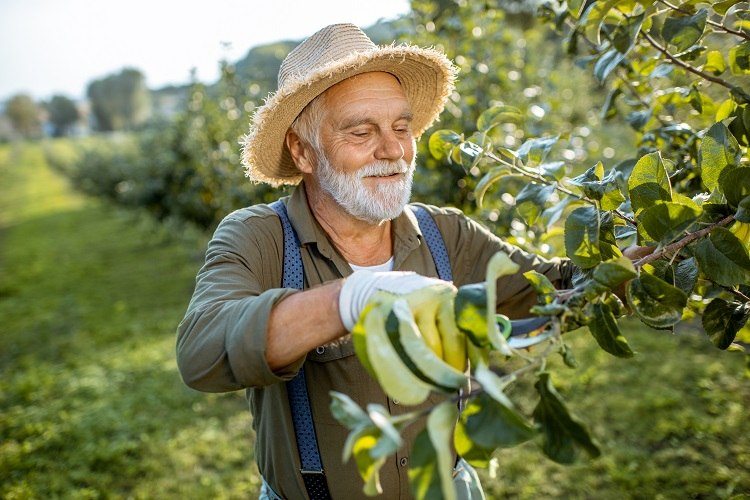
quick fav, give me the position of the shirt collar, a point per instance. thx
(405, 228)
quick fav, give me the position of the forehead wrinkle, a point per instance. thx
(364, 119)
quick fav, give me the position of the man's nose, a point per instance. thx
(390, 148)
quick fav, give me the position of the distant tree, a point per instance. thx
(23, 114)
(63, 113)
(120, 101)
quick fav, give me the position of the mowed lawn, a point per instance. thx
(92, 406)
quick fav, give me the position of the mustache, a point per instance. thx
(383, 168)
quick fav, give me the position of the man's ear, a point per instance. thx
(302, 155)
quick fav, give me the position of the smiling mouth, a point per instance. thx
(387, 176)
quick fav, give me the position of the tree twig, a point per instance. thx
(678, 62)
(720, 26)
(675, 247)
(737, 294)
(540, 179)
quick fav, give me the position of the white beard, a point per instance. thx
(385, 201)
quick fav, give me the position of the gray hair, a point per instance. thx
(307, 124)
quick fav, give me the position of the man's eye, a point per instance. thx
(360, 134)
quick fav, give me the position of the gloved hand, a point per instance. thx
(361, 285)
(404, 332)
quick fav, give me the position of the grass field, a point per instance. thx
(92, 406)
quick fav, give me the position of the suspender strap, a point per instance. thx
(299, 402)
(436, 244)
(434, 241)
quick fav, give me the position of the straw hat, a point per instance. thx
(331, 55)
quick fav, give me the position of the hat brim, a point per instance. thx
(426, 75)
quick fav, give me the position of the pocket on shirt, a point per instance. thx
(334, 367)
(340, 348)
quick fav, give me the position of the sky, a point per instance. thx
(58, 46)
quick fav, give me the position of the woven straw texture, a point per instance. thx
(328, 57)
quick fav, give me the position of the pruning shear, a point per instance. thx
(519, 332)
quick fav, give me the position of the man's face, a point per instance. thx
(366, 138)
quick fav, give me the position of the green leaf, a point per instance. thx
(496, 115)
(696, 99)
(424, 477)
(614, 272)
(648, 183)
(656, 302)
(442, 142)
(609, 108)
(735, 184)
(542, 285)
(739, 59)
(723, 6)
(552, 214)
(534, 151)
(743, 211)
(563, 433)
(612, 198)
(491, 424)
(663, 222)
(725, 110)
(692, 53)
(723, 258)
(684, 275)
(582, 237)
(440, 424)
(722, 320)
(626, 33)
(714, 63)
(554, 170)
(468, 449)
(603, 326)
(393, 375)
(406, 338)
(719, 149)
(639, 119)
(683, 32)
(471, 313)
(607, 63)
(389, 439)
(592, 176)
(491, 177)
(368, 467)
(346, 411)
(531, 200)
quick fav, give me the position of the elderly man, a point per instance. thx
(342, 126)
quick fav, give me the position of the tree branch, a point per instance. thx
(720, 26)
(677, 62)
(738, 294)
(540, 179)
(675, 247)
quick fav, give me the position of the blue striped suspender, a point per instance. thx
(311, 468)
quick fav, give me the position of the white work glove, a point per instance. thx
(361, 285)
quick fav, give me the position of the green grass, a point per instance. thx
(92, 406)
(672, 422)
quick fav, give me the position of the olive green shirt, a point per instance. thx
(222, 339)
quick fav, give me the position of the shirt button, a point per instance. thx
(395, 401)
(320, 349)
(403, 461)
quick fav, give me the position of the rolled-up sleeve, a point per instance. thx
(221, 341)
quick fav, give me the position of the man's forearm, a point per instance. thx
(301, 322)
